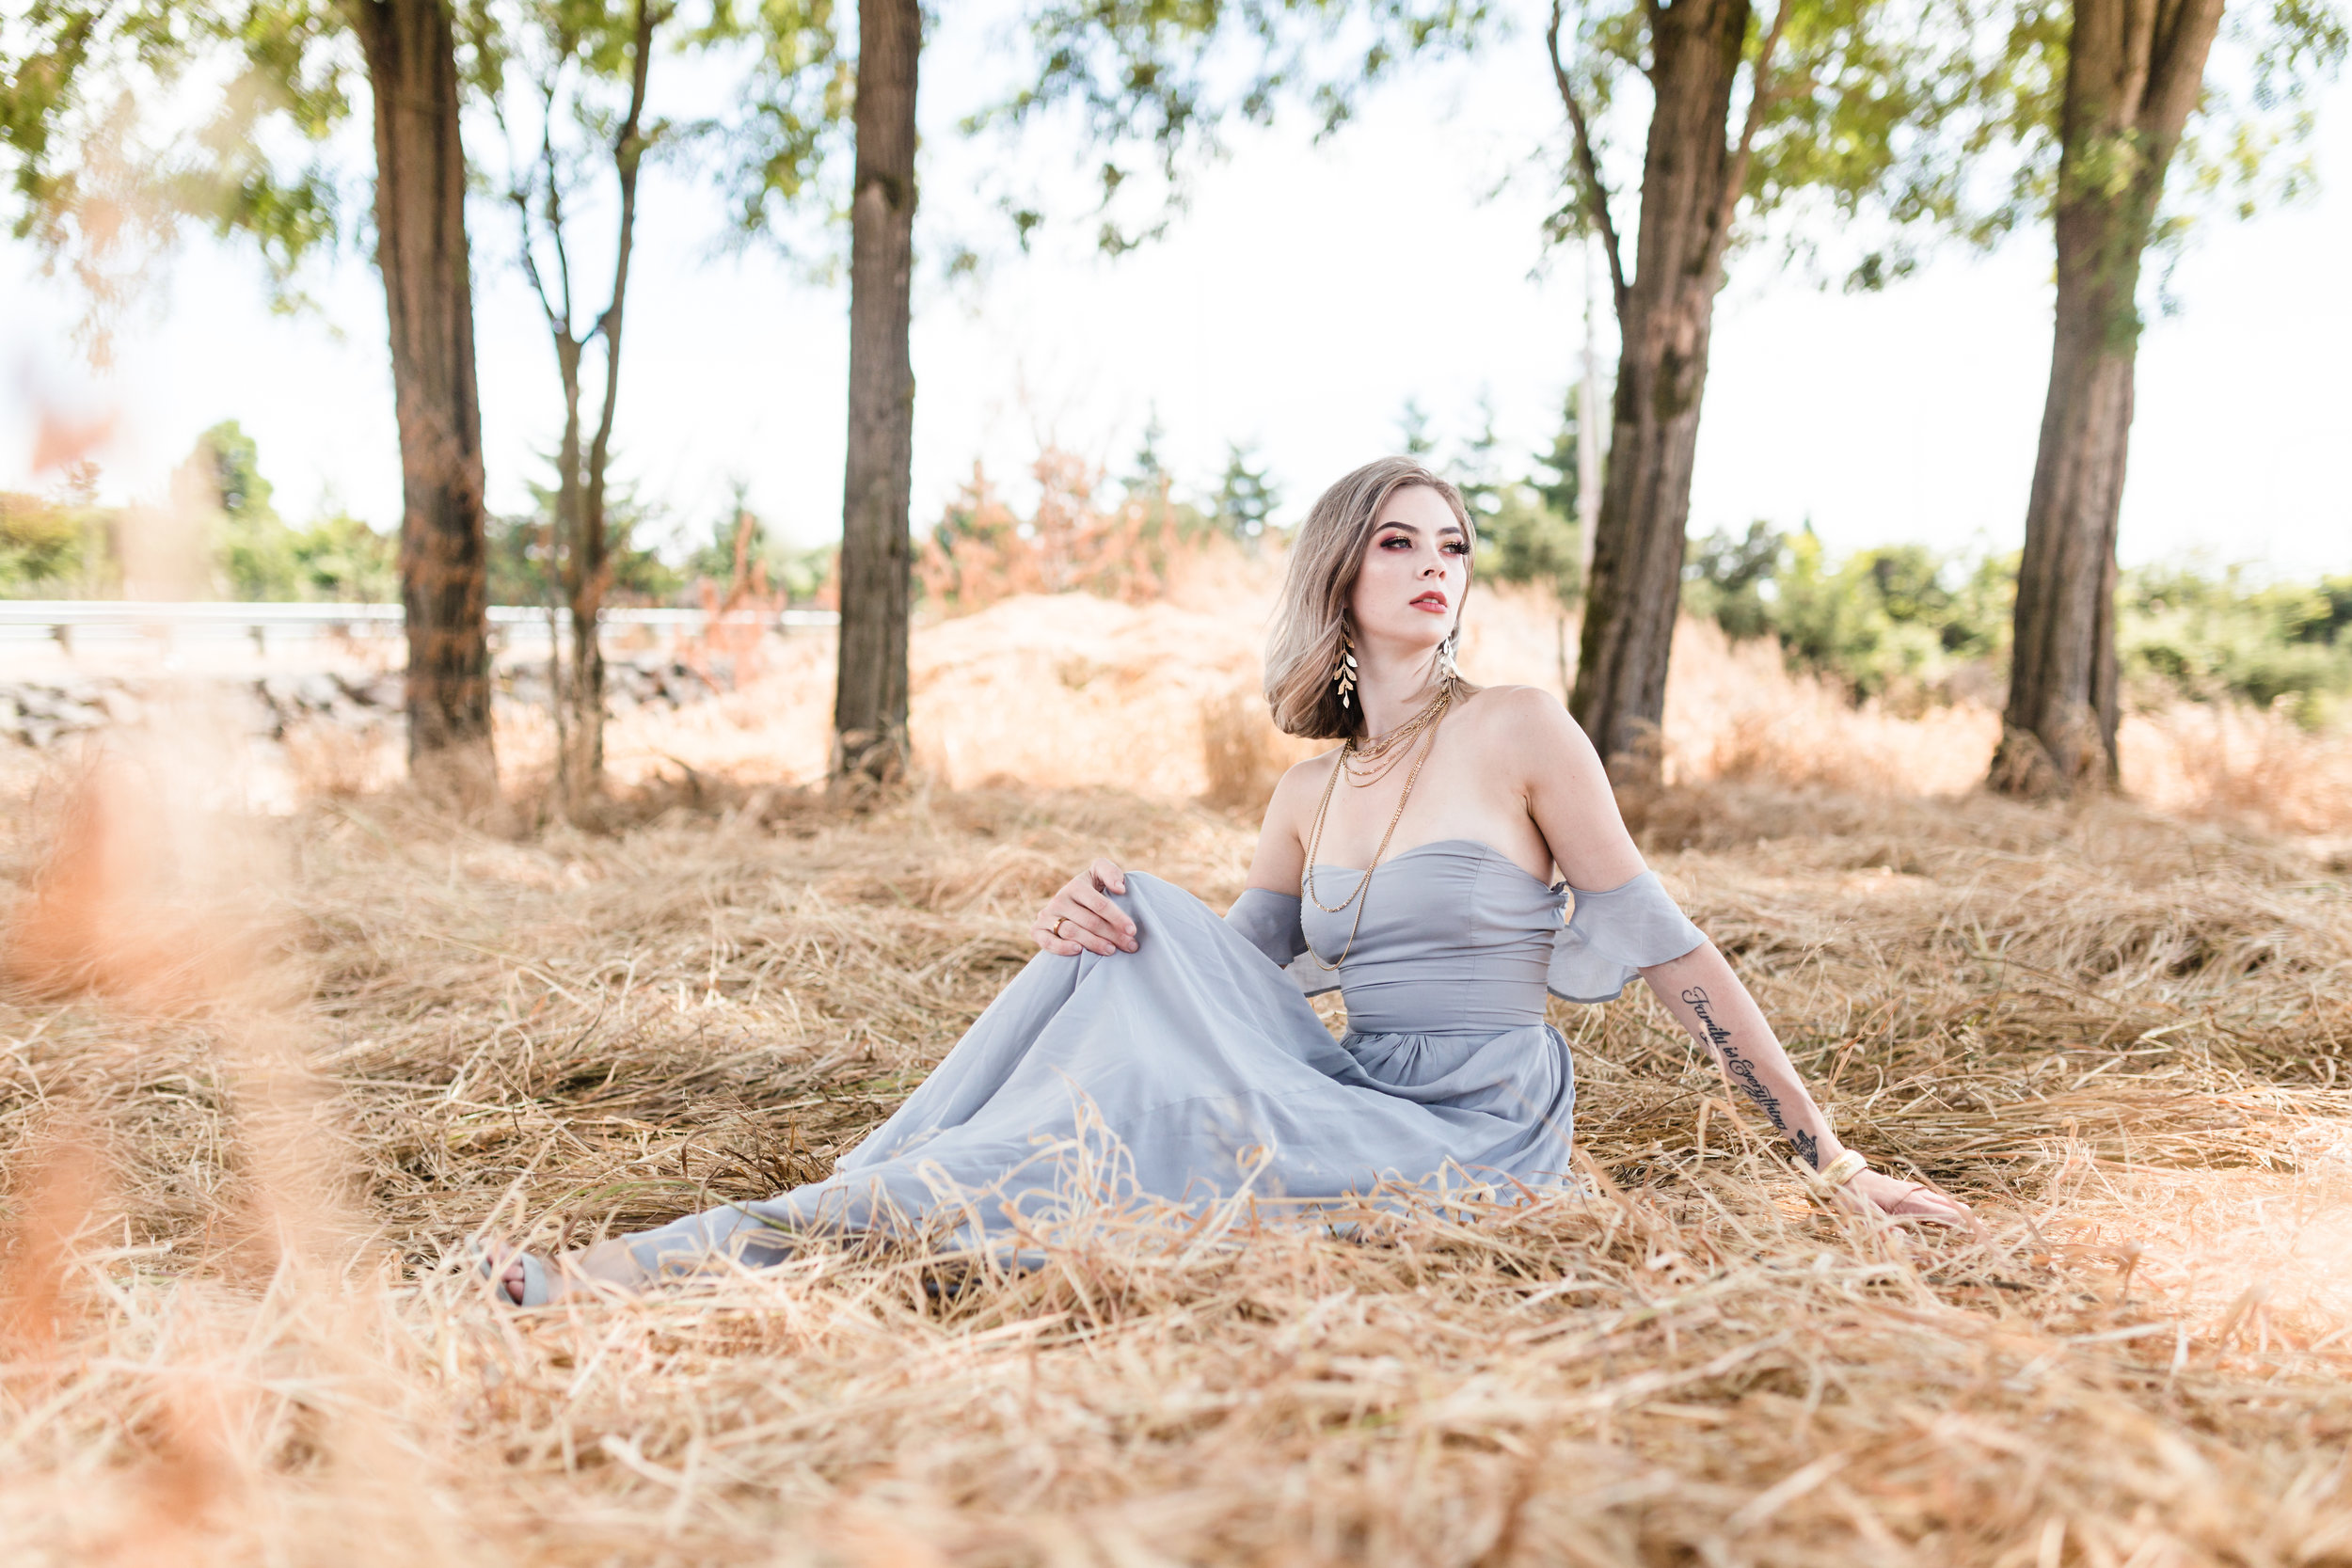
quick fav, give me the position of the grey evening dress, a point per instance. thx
(1194, 1069)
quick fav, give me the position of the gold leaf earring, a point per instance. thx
(1344, 672)
(1447, 669)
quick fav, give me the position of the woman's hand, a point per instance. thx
(1079, 917)
(1878, 1195)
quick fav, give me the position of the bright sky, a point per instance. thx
(1305, 295)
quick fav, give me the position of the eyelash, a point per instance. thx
(1453, 544)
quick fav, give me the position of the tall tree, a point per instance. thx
(422, 253)
(1845, 102)
(2134, 75)
(870, 744)
(103, 180)
(560, 55)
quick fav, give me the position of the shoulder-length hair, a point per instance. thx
(1310, 622)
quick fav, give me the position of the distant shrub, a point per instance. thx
(2208, 637)
(52, 549)
(1901, 623)
(1908, 624)
(1524, 538)
(1073, 540)
(340, 559)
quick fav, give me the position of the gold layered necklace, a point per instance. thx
(1364, 762)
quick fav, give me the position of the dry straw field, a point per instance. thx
(265, 1075)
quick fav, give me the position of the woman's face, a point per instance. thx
(1408, 588)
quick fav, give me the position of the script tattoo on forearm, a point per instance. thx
(1742, 1072)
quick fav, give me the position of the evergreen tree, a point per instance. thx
(1413, 430)
(251, 549)
(1557, 480)
(1246, 496)
(1478, 471)
(1149, 479)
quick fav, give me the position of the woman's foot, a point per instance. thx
(528, 1280)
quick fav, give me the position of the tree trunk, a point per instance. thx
(1691, 178)
(566, 586)
(428, 295)
(871, 690)
(2134, 69)
(592, 569)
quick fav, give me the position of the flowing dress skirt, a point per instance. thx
(1180, 1074)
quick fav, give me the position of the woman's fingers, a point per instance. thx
(1082, 918)
(1096, 909)
(1876, 1192)
(1080, 928)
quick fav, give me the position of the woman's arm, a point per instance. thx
(1701, 991)
(1568, 795)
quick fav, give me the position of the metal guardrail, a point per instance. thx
(65, 621)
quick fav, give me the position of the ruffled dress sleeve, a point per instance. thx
(1269, 922)
(1613, 936)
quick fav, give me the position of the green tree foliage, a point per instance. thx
(1246, 494)
(116, 135)
(1152, 85)
(251, 547)
(256, 555)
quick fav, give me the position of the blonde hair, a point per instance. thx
(1310, 622)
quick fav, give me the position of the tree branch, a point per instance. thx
(627, 153)
(555, 194)
(1595, 194)
(1760, 97)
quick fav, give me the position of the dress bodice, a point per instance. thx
(1459, 938)
(1453, 938)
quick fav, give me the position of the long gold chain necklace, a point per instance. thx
(1370, 760)
(1433, 713)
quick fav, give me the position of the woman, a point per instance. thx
(1411, 867)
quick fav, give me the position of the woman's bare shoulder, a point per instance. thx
(1300, 783)
(1524, 722)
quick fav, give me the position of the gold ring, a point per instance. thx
(1055, 930)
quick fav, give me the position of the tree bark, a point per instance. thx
(2134, 70)
(1691, 180)
(428, 293)
(870, 690)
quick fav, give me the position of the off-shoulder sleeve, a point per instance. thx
(1269, 922)
(1613, 936)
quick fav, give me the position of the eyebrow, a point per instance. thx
(1455, 528)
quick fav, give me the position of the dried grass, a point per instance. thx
(232, 1337)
